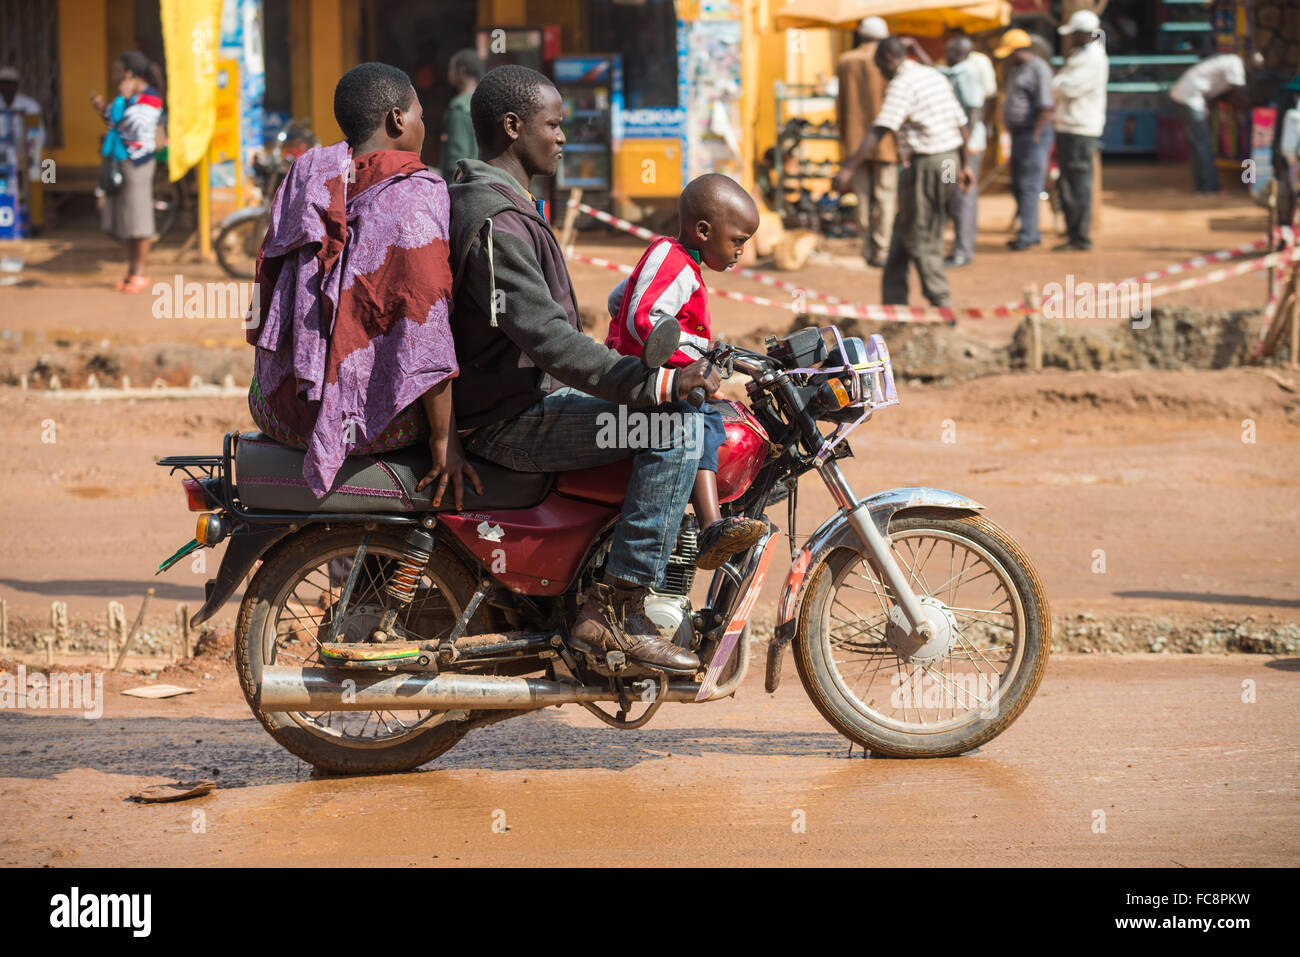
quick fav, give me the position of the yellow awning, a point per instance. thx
(915, 17)
(972, 17)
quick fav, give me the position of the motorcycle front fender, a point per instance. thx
(836, 532)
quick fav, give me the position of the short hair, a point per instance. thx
(506, 89)
(366, 94)
(709, 195)
(891, 47)
(137, 63)
(467, 61)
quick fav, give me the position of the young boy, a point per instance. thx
(717, 218)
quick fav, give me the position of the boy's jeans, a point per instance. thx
(569, 430)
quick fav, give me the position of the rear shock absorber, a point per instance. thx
(401, 585)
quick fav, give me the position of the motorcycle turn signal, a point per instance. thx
(211, 529)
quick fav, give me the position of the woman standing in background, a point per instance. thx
(131, 139)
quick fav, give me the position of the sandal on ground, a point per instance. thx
(121, 283)
(725, 538)
(136, 284)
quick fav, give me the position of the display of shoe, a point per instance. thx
(955, 262)
(1016, 245)
(613, 618)
(725, 537)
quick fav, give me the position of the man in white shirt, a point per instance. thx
(1080, 91)
(931, 129)
(1208, 80)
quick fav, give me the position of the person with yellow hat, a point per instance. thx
(1026, 115)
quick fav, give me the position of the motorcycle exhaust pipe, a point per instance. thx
(321, 689)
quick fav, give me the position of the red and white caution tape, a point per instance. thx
(1228, 272)
(894, 313)
(754, 274)
(839, 308)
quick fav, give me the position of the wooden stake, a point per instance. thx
(183, 631)
(1294, 359)
(1034, 305)
(116, 628)
(570, 219)
(126, 645)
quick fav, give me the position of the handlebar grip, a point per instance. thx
(697, 396)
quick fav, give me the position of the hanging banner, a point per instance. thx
(190, 39)
(241, 40)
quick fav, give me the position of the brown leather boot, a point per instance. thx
(614, 619)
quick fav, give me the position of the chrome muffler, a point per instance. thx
(322, 689)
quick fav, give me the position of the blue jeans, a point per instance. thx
(715, 434)
(1205, 175)
(569, 429)
(1028, 174)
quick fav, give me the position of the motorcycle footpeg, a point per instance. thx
(389, 656)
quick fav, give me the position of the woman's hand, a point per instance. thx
(449, 464)
(97, 102)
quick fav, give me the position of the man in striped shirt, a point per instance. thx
(931, 129)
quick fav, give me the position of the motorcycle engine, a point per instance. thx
(669, 607)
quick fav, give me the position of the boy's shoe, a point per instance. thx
(726, 537)
(614, 619)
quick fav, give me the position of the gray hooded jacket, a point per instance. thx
(514, 317)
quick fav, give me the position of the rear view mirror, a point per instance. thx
(661, 342)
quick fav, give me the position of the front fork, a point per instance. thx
(877, 546)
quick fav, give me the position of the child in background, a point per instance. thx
(717, 218)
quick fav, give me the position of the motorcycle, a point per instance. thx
(381, 627)
(239, 235)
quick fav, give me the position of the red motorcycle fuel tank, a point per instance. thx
(739, 460)
(742, 455)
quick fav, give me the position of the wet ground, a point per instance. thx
(1120, 760)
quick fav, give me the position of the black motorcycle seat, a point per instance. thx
(268, 476)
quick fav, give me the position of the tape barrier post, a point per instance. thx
(1033, 306)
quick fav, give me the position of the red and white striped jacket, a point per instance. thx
(666, 282)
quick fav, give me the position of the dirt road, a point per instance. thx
(1120, 760)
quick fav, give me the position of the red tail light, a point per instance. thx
(195, 497)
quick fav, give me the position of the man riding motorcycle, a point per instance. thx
(533, 388)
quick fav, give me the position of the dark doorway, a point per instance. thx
(420, 38)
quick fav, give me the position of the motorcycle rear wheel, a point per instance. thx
(272, 627)
(963, 696)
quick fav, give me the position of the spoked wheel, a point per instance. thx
(288, 611)
(238, 244)
(958, 690)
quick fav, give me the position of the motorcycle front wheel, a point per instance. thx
(961, 689)
(288, 610)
